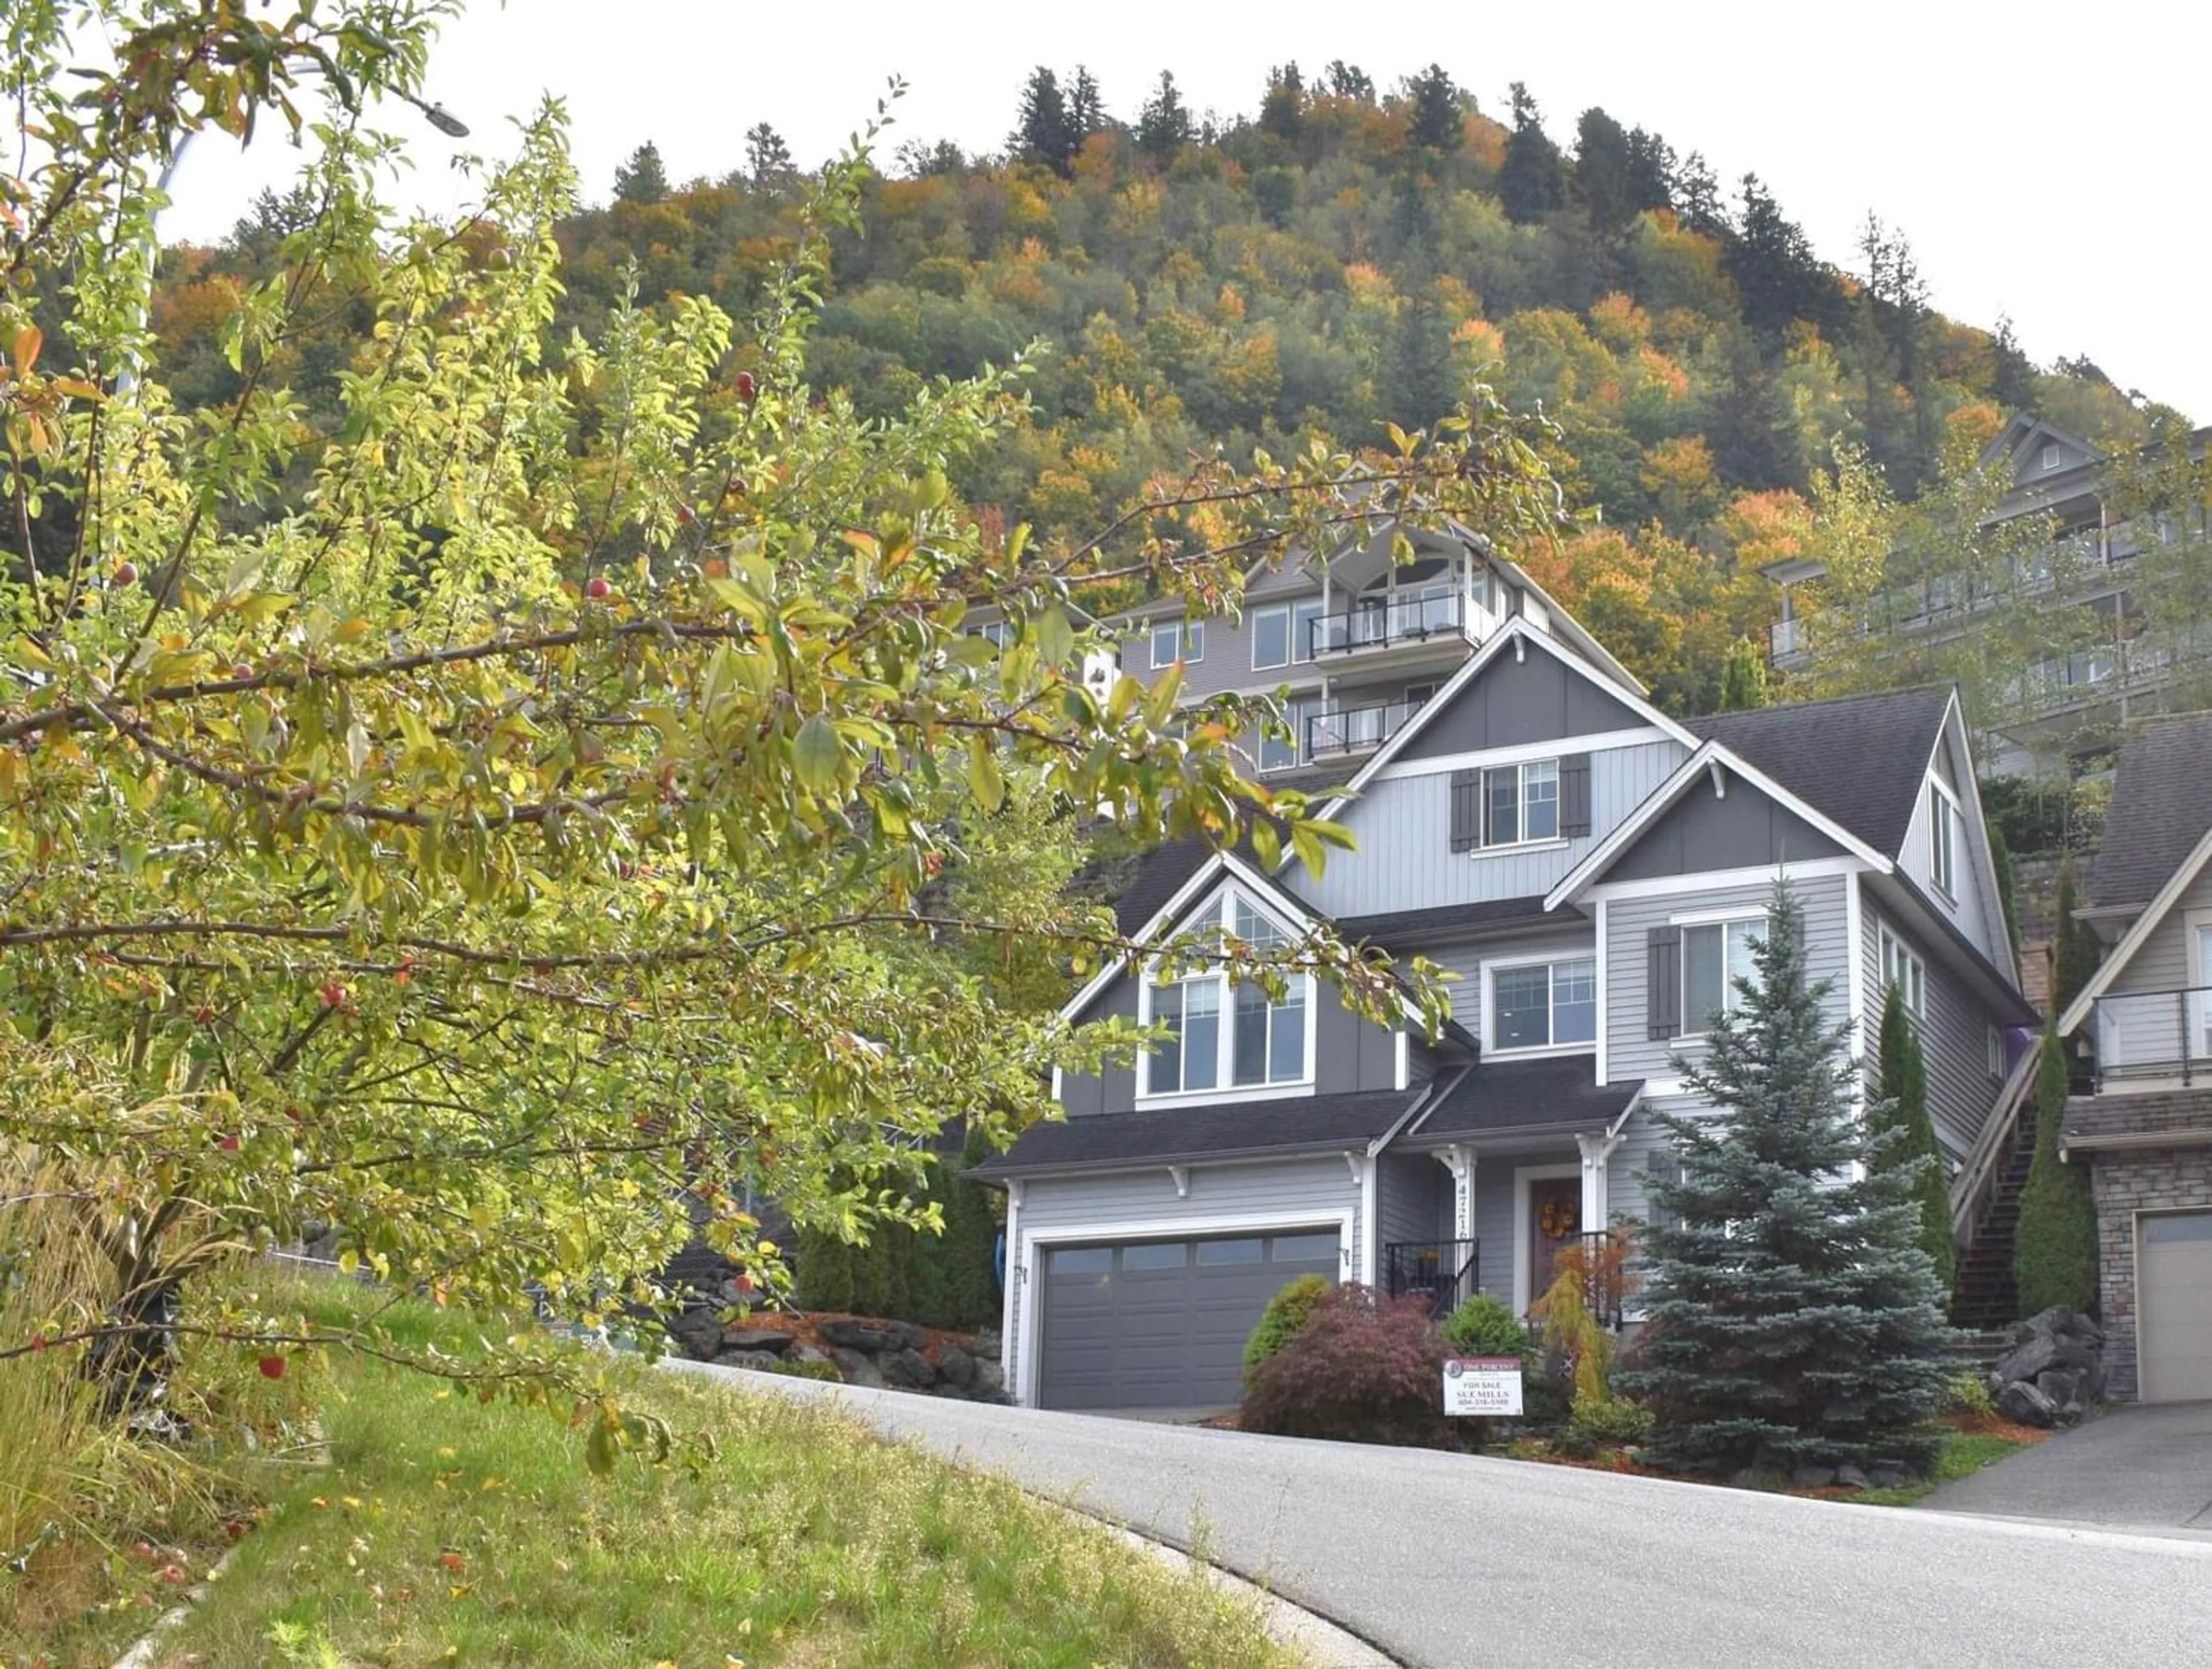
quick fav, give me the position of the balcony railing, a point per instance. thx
(1341, 731)
(1605, 1283)
(2155, 1036)
(1442, 1271)
(1378, 625)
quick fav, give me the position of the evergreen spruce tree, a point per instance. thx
(1425, 385)
(1793, 1317)
(1905, 1131)
(1164, 125)
(767, 159)
(1652, 171)
(2054, 1251)
(641, 180)
(1086, 106)
(1349, 80)
(1532, 182)
(1743, 677)
(1603, 179)
(1282, 111)
(1438, 123)
(1044, 132)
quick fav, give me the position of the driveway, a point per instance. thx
(2145, 1466)
(1461, 1562)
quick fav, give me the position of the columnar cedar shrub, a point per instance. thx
(1286, 1312)
(1364, 1368)
(1905, 1131)
(2054, 1256)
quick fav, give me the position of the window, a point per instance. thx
(1263, 1042)
(1177, 639)
(1996, 1054)
(1277, 754)
(1304, 630)
(1544, 1004)
(1419, 695)
(1521, 803)
(1270, 639)
(1212, 1254)
(1175, 1256)
(1901, 969)
(1943, 841)
(1715, 956)
(2050, 457)
(996, 633)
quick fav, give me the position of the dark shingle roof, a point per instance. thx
(1858, 760)
(1168, 1135)
(1449, 921)
(1518, 1095)
(2161, 806)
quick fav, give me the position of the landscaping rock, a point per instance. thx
(1812, 1477)
(955, 1367)
(872, 1336)
(697, 1334)
(807, 1353)
(755, 1338)
(986, 1344)
(857, 1369)
(2063, 1388)
(761, 1361)
(2022, 1401)
(1888, 1475)
(907, 1370)
(1757, 1477)
(1850, 1478)
(990, 1382)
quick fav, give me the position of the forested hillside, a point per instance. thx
(1342, 260)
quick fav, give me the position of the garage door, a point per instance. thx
(2173, 1325)
(1162, 1324)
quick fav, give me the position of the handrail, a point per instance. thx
(1996, 1135)
(1380, 623)
(2149, 1034)
(1344, 730)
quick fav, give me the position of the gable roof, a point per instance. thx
(1491, 1097)
(1859, 760)
(2132, 940)
(2161, 806)
(1394, 928)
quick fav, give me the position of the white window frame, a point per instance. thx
(1490, 970)
(1723, 919)
(1281, 611)
(1189, 639)
(2052, 456)
(1303, 612)
(1895, 956)
(1297, 711)
(1944, 825)
(1994, 1045)
(996, 633)
(1221, 911)
(1522, 840)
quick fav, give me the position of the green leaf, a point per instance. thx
(984, 780)
(1055, 638)
(817, 757)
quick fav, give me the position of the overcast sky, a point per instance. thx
(2046, 161)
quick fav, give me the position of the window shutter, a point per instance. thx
(1575, 796)
(1665, 982)
(1466, 810)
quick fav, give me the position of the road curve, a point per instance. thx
(1463, 1562)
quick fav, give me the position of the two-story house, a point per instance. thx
(1594, 871)
(2145, 1130)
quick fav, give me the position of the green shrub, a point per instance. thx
(1362, 1369)
(807, 1367)
(825, 1271)
(1486, 1325)
(1968, 1393)
(1283, 1319)
(1610, 1420)
(2055, 1238)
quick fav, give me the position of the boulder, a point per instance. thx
(873, 1336)
(2021, 1401)
(990, 1382)
(807, 1353)
(1888, 1474)
(985, 1344)
(955, 1367)
(1851, 1477)
(2062, 1387)
(1812, 1477)
(857, 1369)
(907, 1370)
(761, 1361)
(2040, 1353)
(698, 1333)
(755, 1338)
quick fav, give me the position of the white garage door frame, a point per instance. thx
(1029, 1369)
(2142, 1305)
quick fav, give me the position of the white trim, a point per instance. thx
(1523, 1176)
(1401, 1071)
(1707, 756)
(1370, 1254)
(1029, 1347)
(2132, 940)
(1602, 741)
(1056, 1082)
(1884, 937)
(1220, 905)
(1854, 977)
(1717, 915)
(1596, 1150)
(1947, 889)
(2194, 924)
(1009, 1304)
(1604, 957)
(1672, 886)
(1249, 1092)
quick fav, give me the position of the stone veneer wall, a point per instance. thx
(2127, 1181)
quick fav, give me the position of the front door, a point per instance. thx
(1555, 1204)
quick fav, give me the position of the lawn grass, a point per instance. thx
(1963, 1454)
(447, 1531)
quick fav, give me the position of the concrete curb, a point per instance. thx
(1325, 1644)
(141, 1654)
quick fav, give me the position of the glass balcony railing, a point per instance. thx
(1341, 731)
(2155, 1036)
(1380, 624)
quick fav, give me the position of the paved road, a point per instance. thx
(2140, 1466)
(1461, 1562)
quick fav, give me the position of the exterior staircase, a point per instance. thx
(1983, 1296)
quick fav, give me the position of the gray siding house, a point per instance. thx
(2145, 1020)
(1593, 871)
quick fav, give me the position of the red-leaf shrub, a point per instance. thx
(1364, 1368)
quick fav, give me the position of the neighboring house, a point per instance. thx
(2145, 1131)
(2116, 674)
(1594, 871)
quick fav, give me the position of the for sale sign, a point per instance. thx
(1483, 1385)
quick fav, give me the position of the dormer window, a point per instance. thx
(1943, 840)
(1224, 1033)
(2051, 455)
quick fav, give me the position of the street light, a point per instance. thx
(439, 117)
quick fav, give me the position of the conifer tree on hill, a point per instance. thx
(641, 180)
(1792, 1318)
(1164, 125)
(1045, 130)
(1532, 182)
